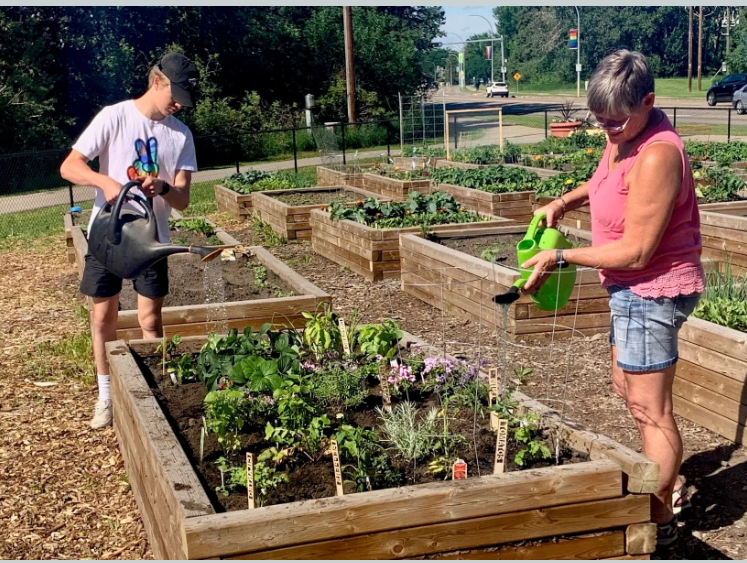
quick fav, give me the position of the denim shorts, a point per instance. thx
(645, 329)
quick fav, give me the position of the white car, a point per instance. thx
(497, 89)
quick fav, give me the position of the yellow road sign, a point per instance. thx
(517, 76)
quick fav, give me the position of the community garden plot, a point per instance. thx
(369, 244)
(396, 183)
(342, 175)
(235, 195)
(460, 272)
(600, 506)
(254, 289)
(288, 211)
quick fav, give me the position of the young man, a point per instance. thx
(136, 140)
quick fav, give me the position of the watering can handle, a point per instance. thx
(118, 207)
(534, 225)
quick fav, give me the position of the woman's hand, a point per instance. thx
(544, 263)
(554, 212)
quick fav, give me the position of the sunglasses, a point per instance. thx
(609, 126)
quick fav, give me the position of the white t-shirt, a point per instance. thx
(129, 144)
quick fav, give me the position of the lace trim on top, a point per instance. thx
(680, 281)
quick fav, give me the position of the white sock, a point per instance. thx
(104, 390)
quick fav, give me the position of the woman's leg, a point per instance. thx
(649, 399)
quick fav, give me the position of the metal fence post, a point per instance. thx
(70, 191)
(388, 138)
(545, 124)
(455, 132)
(295, 150)
(236, 152)
(342, 128)
(674, 118)
(728, 127)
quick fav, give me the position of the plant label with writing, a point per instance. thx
(250, 479)
(386, 396)
(499, 466)
(344, 337)
(459, 470)
(493, 384)
(336, 464)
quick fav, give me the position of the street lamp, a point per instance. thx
(492, 49)
(578, 53)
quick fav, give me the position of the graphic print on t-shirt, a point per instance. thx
(146, 162)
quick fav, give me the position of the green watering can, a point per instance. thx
(557, 289)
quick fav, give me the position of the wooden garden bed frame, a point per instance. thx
(292, 222)
(464, 285)
(238, 206)
(327, 176)
(541, 172)
(578, 218)
(607, 496)
(516, 206)
(189, 320)
(710, 387)
(724, 233)
(397, 190)
(369, 252)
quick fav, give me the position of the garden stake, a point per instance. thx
(250, 479)
(499, 466)
(386, 396)
(493, 383)
(163, 351)
(459, 470)
(336, 464)
(202, 443)
(344, 337)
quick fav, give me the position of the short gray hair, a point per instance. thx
(620, 83)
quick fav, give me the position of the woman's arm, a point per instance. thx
(653, 185)
(574, 199)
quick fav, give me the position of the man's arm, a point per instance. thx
(177, 197)
(75, 169)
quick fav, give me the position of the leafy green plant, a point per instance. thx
(260, 276)
(715, 184)
(484, 154)
(412, 437)
(534, 447)
(556, 186)
(340, 386)
(725, 299)
(225, 415)
(321, 332)
(379, 339)
(266, 476)
(361, 447)
(258, 181)
(198, 225)
(493, 179)
(266, 233)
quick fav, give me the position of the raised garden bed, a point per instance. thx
(370, 252)
(601, 506)
(516, 206)
(724, 233)
(186, 312)
(577, 218)
(710, 387)
(344, 175)
(238, 206)
(450, 275)
(287, 211)
(395, 189)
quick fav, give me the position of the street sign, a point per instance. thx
(578, 68)
(517, 76)
(503, 70)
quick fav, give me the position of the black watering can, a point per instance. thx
(126, 242)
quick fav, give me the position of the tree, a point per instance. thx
(476, 65)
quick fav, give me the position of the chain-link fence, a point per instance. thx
(34, 197)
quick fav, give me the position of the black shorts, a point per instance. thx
(97, 281)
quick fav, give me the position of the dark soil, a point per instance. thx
(188, 278)
(315, 479)
(318, 198)
(503, 245)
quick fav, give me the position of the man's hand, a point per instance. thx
(111, 189)
(151, 186)
(544, 264)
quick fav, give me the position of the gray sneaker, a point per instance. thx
(102, 414)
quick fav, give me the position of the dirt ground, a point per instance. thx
(63, 488)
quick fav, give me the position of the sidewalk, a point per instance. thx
(40, 200)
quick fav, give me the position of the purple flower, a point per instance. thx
(268, 400)
(309, 366)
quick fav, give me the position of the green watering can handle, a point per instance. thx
(532, 230)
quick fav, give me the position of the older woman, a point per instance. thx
(646, 245)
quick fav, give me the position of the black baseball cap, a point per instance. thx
(184, 78)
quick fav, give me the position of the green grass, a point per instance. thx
(36, 223)
(71, 357)
(665, 88)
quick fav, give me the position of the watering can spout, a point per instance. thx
(208, 253)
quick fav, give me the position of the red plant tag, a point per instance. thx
(459, 470)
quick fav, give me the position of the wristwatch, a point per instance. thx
(559, 262)
(165, 189)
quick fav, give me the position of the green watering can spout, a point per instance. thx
(556, 290)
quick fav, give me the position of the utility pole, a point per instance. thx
(347, 28)
(690, 50)
(578, 53)
(700, 45)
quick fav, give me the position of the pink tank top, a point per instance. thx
(675, 267)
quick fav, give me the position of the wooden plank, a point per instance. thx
(722, 233)
(640, 539)
(723, 220)
(605, 544)
(730, 367)
(326, 251)
(80, 243)
(386, 510)
(590, 320)
(643, 474)
(475, 532)
(709, 379)
(166, 488)
(710, 400)
(729, 429)
(724, 340)
(299, 283)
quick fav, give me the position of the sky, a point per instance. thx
(460, 20)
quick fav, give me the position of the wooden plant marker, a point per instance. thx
(493, 393)
(250, 479)
(344, 337)
(336, 464)
(386, 395)
(163, 354)
(499, 466)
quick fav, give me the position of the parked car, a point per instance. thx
(723, 91)
(497, 89)
(739, 101)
